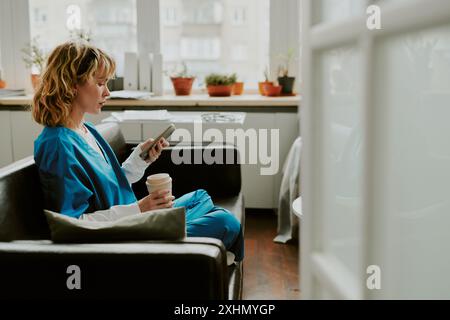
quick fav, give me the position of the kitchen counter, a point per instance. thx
(248, 102)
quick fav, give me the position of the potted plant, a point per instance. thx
(2, 82)
(286, 82)
(182, 81)
(238, 87)
(34, 59)
(220, 85)
(261, 85)
(272, 90)
(81, 35)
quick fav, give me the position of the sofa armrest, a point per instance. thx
(191, 268)
(213, 167)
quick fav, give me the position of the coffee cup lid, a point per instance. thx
(158, 176)
(158, 182)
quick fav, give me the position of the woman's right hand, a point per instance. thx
(159, 199)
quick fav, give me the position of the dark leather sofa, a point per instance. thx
(32, 266)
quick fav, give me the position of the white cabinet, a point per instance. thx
(261, 191)
(190, 127)
(96, 118)
(258, 189)
(24, 131)
(6, 156)
(131, 132)
(288, 124)
(261, 160)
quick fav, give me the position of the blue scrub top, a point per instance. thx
(75, 178)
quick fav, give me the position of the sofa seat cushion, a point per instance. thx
(189, 268)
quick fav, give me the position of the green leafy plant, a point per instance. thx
(266, 74)
(33, 55)
(215, 79)
(182, 72)
(233, 78)
(286, 59)
(81, 34)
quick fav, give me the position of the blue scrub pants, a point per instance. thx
(204, 219)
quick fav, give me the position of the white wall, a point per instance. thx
(14, 35)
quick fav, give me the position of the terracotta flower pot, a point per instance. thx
(261, 87)
(182, 86)
(271, 90)
(35, 79)
(220, 91)
(238, 88)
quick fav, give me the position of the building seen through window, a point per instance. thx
(208, 35)
(111, 24)
(216, 36)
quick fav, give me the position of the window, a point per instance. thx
(169, 16)
(200, 48)
(239, 52)
(239, 16)
(110, 24)
(208, 35)
(217, 36)
(201, 11)
(40, 16)
(171, 52)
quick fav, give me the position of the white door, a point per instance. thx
(376, 162)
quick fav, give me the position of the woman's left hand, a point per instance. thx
(154, 152)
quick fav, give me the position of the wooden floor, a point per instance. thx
(270, 269)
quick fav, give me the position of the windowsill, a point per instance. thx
(247, 100)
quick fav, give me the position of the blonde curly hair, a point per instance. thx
(69, 64)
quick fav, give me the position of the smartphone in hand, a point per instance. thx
(165, 134)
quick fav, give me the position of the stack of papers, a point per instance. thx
(134, 115)
(223, 117)
(11, 92)
(130, 94)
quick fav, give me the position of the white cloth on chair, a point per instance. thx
(289, 190)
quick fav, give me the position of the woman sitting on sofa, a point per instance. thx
(79, 173)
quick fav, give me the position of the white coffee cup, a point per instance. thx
(159, 181)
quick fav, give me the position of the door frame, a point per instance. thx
(316, 269)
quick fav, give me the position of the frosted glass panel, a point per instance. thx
(331, 10)
(413, 91)
(341, 110)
